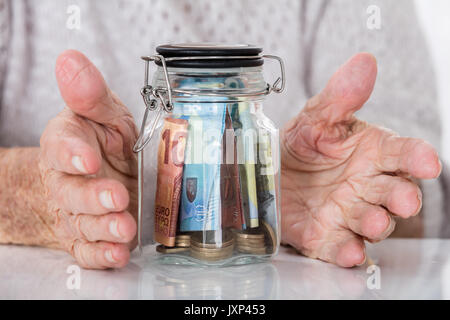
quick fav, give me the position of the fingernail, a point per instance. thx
(114, 228)
(109, 256)
(419, 206)
(106, 199)
(77, 162)
(389, 229)
(362, 263)
(365, 259)
(440, 169)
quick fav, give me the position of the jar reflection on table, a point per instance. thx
(259, 281)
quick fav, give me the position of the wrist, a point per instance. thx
(25, 216)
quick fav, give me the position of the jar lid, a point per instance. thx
(235, 55)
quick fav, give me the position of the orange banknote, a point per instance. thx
(170, 176)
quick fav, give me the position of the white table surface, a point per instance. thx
(409, 269)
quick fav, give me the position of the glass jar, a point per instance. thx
(217, 199)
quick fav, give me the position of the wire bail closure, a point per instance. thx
(161, 100)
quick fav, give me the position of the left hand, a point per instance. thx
(343, 180)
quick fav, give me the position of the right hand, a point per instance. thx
(88, 168)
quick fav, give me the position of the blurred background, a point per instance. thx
(434, 16)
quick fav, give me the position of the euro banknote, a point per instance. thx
(170, 174)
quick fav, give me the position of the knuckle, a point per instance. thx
(78, 251)
(78, 226)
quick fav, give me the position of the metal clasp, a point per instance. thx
(151, 98)
(274, 87)
(157, 93)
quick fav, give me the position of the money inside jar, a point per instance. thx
(217, 193)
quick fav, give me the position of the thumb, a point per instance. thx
(347, 90)
(84, 90)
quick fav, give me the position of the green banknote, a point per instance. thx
(246, 150)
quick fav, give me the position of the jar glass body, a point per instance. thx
(217, 199)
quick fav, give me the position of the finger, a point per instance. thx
(84, 90)
(94, 196)
(413, 156)
(346, 92)
(113, 227)
(399, 195)
(370, 221)
(341, 247)
(350, 253)
(100, 255)
(67, 148)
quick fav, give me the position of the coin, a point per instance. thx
(270, 236)
(212, 245)
(183, 240)
(163, 249)
(225, 253)
(251, 247)
(213, 250)
(251, 241)
(183, 244)
(251, 250)
(254, 236)
(208, 258)
(183, 237)
(198, 242)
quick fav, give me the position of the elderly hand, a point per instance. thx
(89, 169)
(343, 179)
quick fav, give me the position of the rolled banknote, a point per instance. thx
(246, 150)
(200, 208)
(230, 184)
(170, 175)
(265, 178)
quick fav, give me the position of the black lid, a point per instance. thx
(210, 49)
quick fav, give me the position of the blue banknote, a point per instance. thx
(200, 208)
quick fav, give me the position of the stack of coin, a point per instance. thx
(183, 240)
(211, 251)
(250, 242)
(261, 240)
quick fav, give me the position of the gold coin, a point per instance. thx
(253, 236)
(251, 241)
(212, 250)
(212, 245)
(251, 246)
(270, 236)
(183, 237)
(183, 244)
(196, 241)
(163, 249)
(208, 241)
(251, 250)
(198, 255)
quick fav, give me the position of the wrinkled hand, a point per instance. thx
(343, 179)
(89, 169)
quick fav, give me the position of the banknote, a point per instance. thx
(200, 208)
(266, 174)
(246, 153)
(230, 185)
(170, 174)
